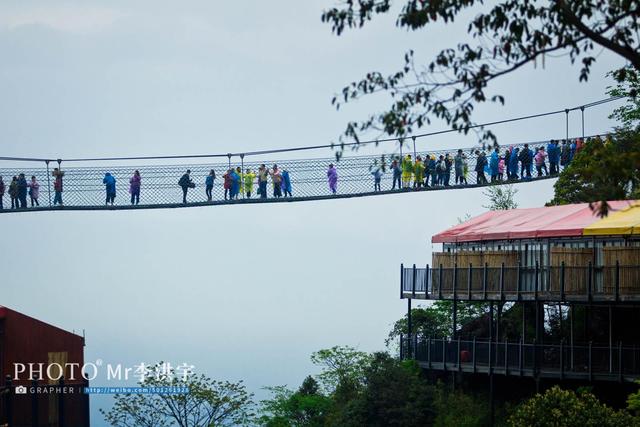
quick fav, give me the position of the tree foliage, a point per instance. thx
(458, 409)
(603, 170)
(434, 320)
(607, 169)
(566, 408)
(393, 393)
(208, 403)
(306, 407)
(384, 392)
(628, 86)
(340, 365)
(501, 197)
(504, 37)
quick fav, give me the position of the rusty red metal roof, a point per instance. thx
(531, 223)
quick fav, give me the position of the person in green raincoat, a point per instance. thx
(407, 171)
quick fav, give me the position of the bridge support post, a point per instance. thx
(48, 182)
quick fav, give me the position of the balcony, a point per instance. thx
(581, 362)
(610, 283)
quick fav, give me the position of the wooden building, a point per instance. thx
(571, 278)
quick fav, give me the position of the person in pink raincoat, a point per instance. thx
(34, 191)
(332, 176)
(501, 168)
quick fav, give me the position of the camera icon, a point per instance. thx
(21, 389)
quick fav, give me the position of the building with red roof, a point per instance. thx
(567, 280)
(31, 396)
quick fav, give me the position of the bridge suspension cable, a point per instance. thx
(229, 155)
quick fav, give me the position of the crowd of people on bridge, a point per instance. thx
(512, 163)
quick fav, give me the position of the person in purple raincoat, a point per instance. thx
(332, 175)
(134, 187)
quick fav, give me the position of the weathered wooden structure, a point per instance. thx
(572, 277)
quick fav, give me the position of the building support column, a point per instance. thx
(491, 401)
(491, 337)
(454, 320)
(610, 339)
(454, 333)
(409, 328)
(498, 317)
(572, 313)
(560, 312)
(523, 334)
(587, 323)
(539, 320)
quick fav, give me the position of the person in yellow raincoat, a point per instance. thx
(418, 173)
(249, 177)
(241, 176)
(407, 171)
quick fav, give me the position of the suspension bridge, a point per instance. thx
(84, 189)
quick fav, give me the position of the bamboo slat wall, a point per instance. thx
(476, 259)
(495, 259)
(575, 275)
(464, 259)
(629, 277)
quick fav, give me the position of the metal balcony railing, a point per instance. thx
(586, 283)
(617, 362)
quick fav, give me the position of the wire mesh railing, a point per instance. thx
(83, 187)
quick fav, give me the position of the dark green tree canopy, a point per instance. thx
(506, 36)
(566, 408)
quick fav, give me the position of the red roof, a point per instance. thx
(552, 221)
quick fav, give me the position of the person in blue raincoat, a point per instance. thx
(513, 162)
(235, 184)
(110, 186)
(553, 152)
(286, 182)
(493, 164)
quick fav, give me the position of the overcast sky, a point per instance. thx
(241, 292)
